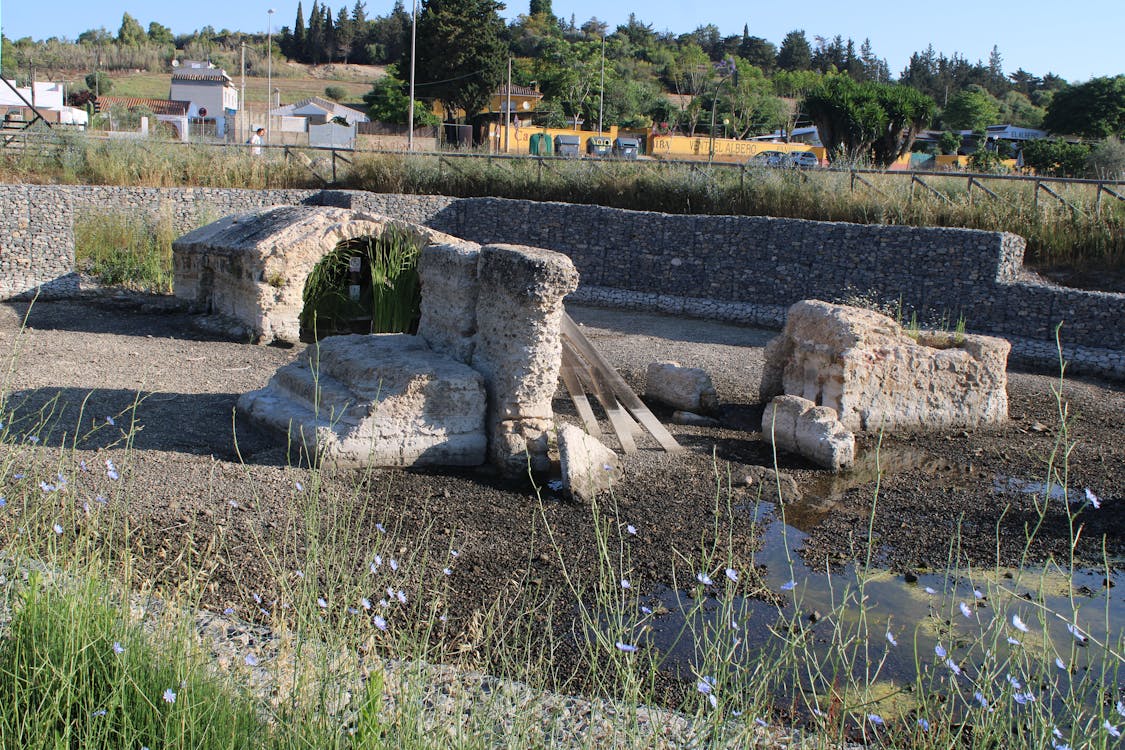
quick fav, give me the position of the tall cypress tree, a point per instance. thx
(314, 39)
(298, 48)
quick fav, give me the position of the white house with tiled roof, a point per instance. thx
(210, 91)
(319, 111)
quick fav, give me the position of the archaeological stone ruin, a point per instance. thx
(473, 386)
(876, 376)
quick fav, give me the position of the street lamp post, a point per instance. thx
(601, 91)
(269, 68)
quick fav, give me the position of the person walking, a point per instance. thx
(256, 141)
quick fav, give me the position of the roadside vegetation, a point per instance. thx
(1085, 234)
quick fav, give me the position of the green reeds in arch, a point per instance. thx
(365, 285)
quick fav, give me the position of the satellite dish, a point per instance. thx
(526, 104)
(202, 111)
(175, 63)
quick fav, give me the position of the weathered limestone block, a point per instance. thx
(448, 276)
(875, 376)
(588, 467)
(799, 426)
(376, 400)
(685, 388)
(251, 268)
(518, 348)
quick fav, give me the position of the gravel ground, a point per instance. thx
(207, 493)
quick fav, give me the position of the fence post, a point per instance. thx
(969, 190)
(333, 166)
(1037, 186)
(539, 176)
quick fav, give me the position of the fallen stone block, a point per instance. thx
(875, 375)
(685, 388)
(382, 400)
(797, 425)
(588, 467)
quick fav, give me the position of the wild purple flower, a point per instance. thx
(82, 465)
(99, 712)
(46, 487)
(953, 667)
(627, 648)
(394, 564)
(924, 725)
(875, 719)
(733, 625)
(1113, 731)
(321, 603)
(365, 603)
(1120, 707)
(19, 475)
(118, 648)
(300, 487)
(978, 593)
(1014, 683)
(251, 660)
(625, 583)
(732, 574)
(381, 528)
(645, 610)
(1023, 698)
(789, 585)
(233, 503)
(1061, 746)
(940, 651)
(454, 553)
(169, 696)
(379, 622)
(3, 502)
(33, 439)
(703, 578)
(1059, 663)
(58, 529)
(607, 467)
(981, 699)
(965, 609)
(1056, 732)
(713, 700)
(760, 722)
(109, 421)
(929, 590)
(1093, 499)
(110, 469)
(352, 611)
(1019, 624)
(443, 618)
(400, 596)
(384, 603)
(100, 499)
(1013, 642)
(631, 529)
(1076, 632)
(257, 598)
(449, 572)
(299, 573)
(706, 685)
(891, 639)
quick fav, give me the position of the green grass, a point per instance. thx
(126, 250)
(388, 295)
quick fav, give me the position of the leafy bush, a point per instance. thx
(335, 93)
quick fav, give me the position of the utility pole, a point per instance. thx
(508, 108)
(601, 92)
(413, 36)
(242, 95)
(269, 69)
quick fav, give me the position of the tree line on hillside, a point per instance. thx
(700, 82)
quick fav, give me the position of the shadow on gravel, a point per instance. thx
(197, 424)
(140, 315)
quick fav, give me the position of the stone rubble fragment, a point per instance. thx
(588, 467)
(684, 388)
(797, 425)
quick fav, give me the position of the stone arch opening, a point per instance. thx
(367, 284)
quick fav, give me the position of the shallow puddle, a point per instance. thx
(1061, 631)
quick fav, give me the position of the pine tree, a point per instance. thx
(297, 52)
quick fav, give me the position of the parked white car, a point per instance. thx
(804, 159)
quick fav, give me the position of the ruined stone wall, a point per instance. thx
(746, 269)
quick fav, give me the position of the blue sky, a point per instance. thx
(1033, 34)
